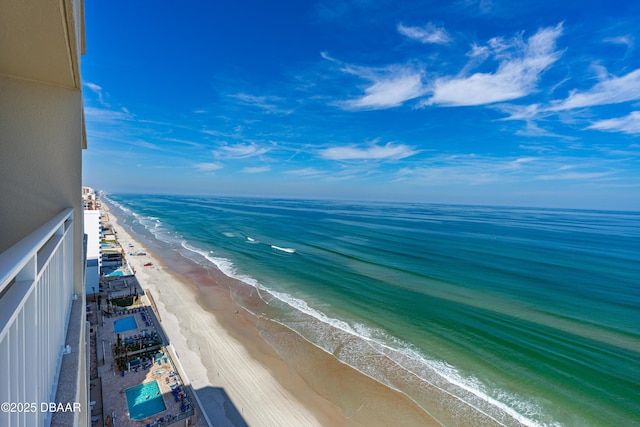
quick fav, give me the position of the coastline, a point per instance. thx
(239, 376)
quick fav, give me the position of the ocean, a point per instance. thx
(481, 315)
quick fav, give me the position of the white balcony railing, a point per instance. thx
(36, 293)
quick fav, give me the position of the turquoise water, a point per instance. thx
(144, 400)
(124, 324)
(116, 273)
(521, 314)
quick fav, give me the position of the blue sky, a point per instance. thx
(530, 103)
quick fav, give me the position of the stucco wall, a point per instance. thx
(40, 160)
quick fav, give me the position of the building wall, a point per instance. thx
(41, 141)
(41, 174)
(41, 134)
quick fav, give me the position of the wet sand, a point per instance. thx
(247, 370)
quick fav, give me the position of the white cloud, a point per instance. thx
(373, 152)
(254, 99)
(452, 170)
(388, 90)
(628, 124)
(472, 169)
(389, 86)
(534, 130)
(611, 90)
(94, 87)
(430, 33)
(98, 91)
(498, 45)
(479, 52)
(267, 103)
(520, 160)
(580, 176)
(105, 115)
(481, 6)
(540, 149)
(239, 151)
(625, 40)
(208, 167)
(305, 172)
(144, 144)
(257, 169)
(517, 75)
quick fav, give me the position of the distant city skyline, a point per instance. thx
(466, 102)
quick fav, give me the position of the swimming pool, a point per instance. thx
(144, 400)
(125, 324)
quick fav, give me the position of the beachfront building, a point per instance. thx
(42, 302)
(92, 230)
(90, 199)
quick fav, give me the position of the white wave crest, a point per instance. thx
(288, 250)
(440, 374)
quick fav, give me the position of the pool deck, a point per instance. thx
(114, 402)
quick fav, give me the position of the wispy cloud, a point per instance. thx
(624, 40)
(629, 124)
(388, 151)
(389, 86)
(257, 169)
(104, 115)
(186, 142)
(208, 167)
(540, 149)
(472, 169)
(481, 6)
(94, 87)
(239, 151)
(533, 129)
(98, 91)
(450, 170)
(479, 52)
(305, 172)
(270, 104)
(430, 33)
(144, 144)
(610, 90)
(521, 64)
(389, 91)
(577, 176)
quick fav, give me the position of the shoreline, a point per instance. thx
(242, 367)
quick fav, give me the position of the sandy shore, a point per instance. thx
(238, 376)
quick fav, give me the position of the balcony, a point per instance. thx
(41, 328)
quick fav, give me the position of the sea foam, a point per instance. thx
(288, 250)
